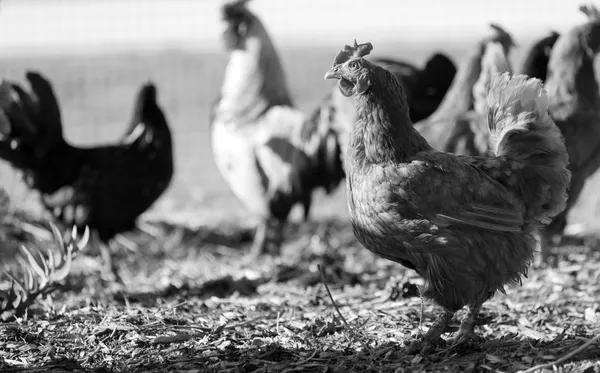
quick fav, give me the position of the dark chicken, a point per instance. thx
(270, 154)
(104, 187)
(465, 224)
(536, 60)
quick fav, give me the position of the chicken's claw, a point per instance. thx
(467, 340)
(430, 340)
(424, 346)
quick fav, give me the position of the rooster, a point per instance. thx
(467, 225)
(104, 187)
(575, 107)
(271, 155)
(536, 60)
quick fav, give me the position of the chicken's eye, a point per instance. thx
(353, 65)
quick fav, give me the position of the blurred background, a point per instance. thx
(98, 52)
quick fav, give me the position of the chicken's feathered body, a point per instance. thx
(466, 224)
(104, 187)
(271, 155)
(575, 107)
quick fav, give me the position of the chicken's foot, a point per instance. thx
(432, 338)
(258, 245)
(466, 333)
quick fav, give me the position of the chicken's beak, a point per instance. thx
(334, 73)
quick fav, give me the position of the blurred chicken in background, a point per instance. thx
(271, 155)
(440, 127)
(104, 187)
(536, 59)
(574, 104)
(470, 131)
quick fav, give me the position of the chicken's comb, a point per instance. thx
(357, 50)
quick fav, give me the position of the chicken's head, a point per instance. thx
(238, 20)
(352, 70)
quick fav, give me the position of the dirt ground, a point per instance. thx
(193, 301)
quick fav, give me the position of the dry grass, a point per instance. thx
(193, 304)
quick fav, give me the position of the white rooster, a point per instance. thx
(270, 153)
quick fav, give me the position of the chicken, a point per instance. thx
(471, 135)
(536, 59)
(465, 224)
(104, 187)
(575, 107)
(440, 127)
(271, 155)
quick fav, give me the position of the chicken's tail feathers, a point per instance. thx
(146, 113)
(322, 145)
(145, 100)
(48, 106)
(32, 114)
(522, 130)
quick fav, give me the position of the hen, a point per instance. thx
(271, 155)
(465, 224)
(104, 187)
(574, 104)
(536, 59)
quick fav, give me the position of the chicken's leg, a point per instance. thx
(433, 336)
(466, 332)
(260, 237)
(267, 238)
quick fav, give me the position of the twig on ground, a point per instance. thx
(564, 358)
(354, 334)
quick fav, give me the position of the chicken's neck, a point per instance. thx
(459, 99)
(571, 83)
(254, 79)
(536, 62)
(383, 132)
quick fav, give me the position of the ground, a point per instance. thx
(192, 301)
